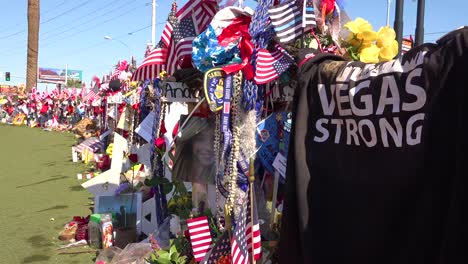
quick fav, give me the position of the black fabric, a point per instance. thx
(115, 85)
(389, 184)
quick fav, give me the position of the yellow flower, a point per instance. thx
(389, 52)
(367, 35)
(370, 54)
(109, 149)
(353, 41)
(133, 84)
(385, 37)
(359, 25)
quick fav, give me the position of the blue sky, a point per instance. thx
(72, 32)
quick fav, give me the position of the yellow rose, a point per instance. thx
(389, 52)
(133, 84)
(353, 41)
(359, 25)
(367, 36)
(370, 54)
(385, 37)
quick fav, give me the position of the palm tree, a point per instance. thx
(33, 43)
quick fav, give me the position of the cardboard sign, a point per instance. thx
(179, 92)
(213, 85)
(145, 129)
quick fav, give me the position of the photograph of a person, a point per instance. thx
(194, 156)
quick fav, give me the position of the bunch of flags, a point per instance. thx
(176, 40)
(245, 242)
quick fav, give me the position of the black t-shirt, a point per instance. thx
(377, 167)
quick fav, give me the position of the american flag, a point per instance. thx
(220, 249)
(93, 144)
(252, 231)
(308, 14)
(239, 241)
(176, 39)
(92, 94)
(200, 236)
(153, 64)
(271, 64)
(287, 21)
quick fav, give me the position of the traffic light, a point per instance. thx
(7, 76)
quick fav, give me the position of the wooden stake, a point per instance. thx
(251, 190)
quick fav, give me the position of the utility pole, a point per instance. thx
(153, 26)
(399, 23)
(420, 23)
(33, 43)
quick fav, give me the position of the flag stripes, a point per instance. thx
(287, 21)
(252, 230)
(176, 40)
(271, 64)
(200, 236)
(308, 14)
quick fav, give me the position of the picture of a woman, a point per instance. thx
(194, 156)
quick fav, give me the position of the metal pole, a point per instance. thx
(420, 23)
(399, 23)
(388, 12)
(153, 25)
(66, 75)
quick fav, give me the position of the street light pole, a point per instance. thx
(121, 42)
(420, 23)
(153, 26)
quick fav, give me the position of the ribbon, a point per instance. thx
(225, 122)
(239, 29)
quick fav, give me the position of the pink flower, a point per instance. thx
(160, 143)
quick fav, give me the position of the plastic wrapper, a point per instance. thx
(162, 235)
(135, 253)
(107, 255)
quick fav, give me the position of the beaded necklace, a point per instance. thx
(231, 173)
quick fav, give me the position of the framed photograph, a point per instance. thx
(126, 207)
(194, 159)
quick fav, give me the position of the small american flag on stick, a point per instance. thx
(271, 64)
(239, 252)
(200, 236)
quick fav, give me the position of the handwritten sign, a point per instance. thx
(179, 92)
(115, 99)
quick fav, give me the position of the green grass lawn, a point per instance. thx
(38, 182)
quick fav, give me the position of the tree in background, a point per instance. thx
(33, 43)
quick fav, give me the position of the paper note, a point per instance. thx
(279, 164)
(145, 129)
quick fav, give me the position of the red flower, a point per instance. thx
(133, 158)
(125, 134)
(160, 143)
(186, 234)
(327, 6)
(163, 129)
